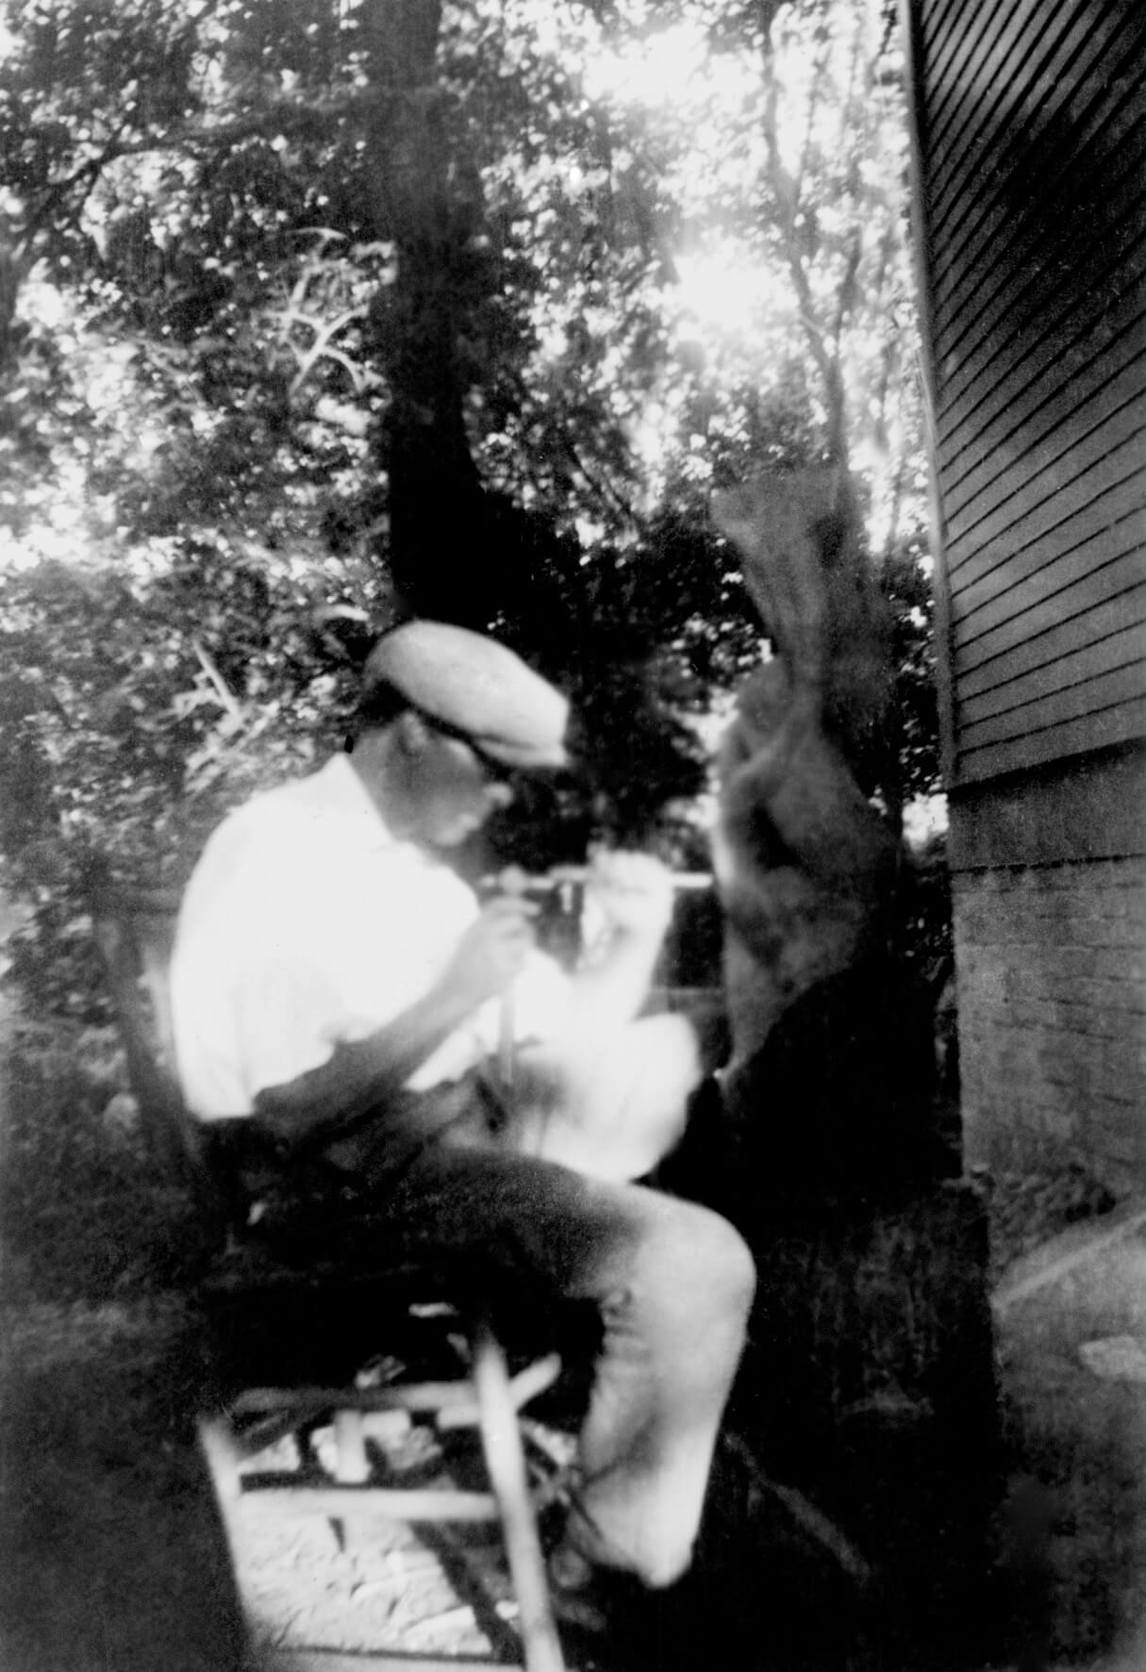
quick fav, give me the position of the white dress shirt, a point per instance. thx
(307, 923)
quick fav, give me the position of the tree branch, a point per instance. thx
(784, 191)
(197, 137)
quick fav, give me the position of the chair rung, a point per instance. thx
(418, 1396)
(535, 1379)
(384, 1503)
(286, 1658)
(457, 1397)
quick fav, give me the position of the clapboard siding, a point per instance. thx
(943, 23)
(974, 137)
(978, 144)
(1050, 274)
(1101, 596)
(1124, 721)
(1079, 477)
(960, 57)
(1030, 153)
(1032, 161)
(1051, 333)
(1042, 268)
(1054, 686)
(946, 37)
(1036, 651)
(1057, 300)
(1063, 556)
(1098, 403)
(966, 129)
(1053, 705)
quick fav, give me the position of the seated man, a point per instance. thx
(335, 981)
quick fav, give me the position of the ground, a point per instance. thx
(1071, 1325)
(113, 1559)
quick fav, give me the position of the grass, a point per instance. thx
(111, 1557)
(110, 1554)
(84, 1215)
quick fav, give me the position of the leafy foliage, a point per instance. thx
(314, 313)
(82, 1212)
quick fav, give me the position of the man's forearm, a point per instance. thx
(360, 1075)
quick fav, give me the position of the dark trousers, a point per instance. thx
(671, 1281)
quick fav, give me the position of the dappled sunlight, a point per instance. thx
(667, 68)
(229, 320)
(65, 517)
(924, 819)
(804, 135)
(60, 534)
(727, 293)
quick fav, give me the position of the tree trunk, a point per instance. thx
(435, 495)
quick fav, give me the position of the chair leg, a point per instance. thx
(492, 1401)
(505, 1462)
(223, 1458)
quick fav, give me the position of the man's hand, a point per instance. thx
(632, 892)
(492, 952)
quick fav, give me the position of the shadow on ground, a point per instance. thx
(1071, 1329)
(111, 1559)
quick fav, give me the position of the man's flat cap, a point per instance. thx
(475, 686)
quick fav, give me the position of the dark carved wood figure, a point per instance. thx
(869, 1383)
(832, 1061)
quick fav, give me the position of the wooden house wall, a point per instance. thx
(1032, 141)
(1030, 163)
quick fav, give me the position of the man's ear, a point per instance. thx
(412, 732)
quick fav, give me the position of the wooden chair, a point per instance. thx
(242, 1435)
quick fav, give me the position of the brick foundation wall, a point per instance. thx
(1051, 975)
